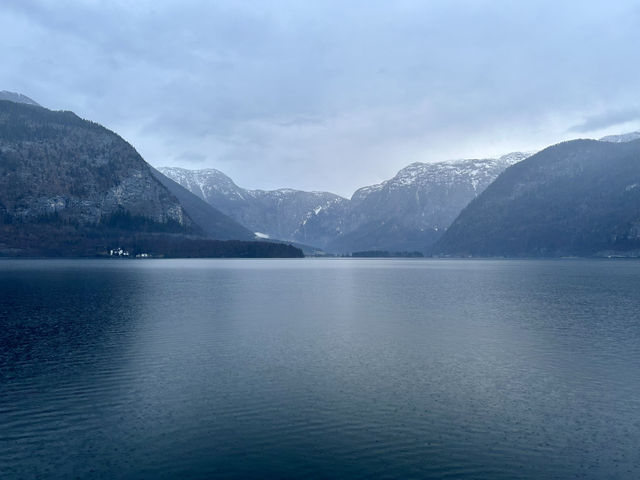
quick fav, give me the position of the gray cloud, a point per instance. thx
(327, 95)
(606, 119)
(192, 157)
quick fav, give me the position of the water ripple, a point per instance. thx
(319, 369)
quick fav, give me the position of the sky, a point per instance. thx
(329, 95)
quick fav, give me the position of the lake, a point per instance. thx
(320, 368)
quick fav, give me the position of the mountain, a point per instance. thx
(278, 214)
(625, 137)
(71, 187)
(408, 212)
(411, 210)
(57, 164)
(580, 197)
(17, 98)
(212, 222)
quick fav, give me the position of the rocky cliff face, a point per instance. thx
(56, 164)
(69, 187)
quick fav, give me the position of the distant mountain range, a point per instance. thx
(270, 214)
(406, 213)
(71, 187)
(576, 198)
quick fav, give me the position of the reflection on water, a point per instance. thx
(319, 368)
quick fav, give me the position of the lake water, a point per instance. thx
(327, 368)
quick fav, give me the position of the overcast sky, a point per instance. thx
(329, 95)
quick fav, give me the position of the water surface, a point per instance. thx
(338, 368)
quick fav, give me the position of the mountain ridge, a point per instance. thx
(342, 225)
(576, 198)
(17, 98)
(409, 211)
(71, 187)
(274, 213)
(621, 138)
(59, 169)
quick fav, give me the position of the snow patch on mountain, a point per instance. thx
(625, 137)
(203, 182)
(448, 172)
(420, 199)
(17, 98)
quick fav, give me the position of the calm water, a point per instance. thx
(319, 369)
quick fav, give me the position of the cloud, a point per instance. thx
(326, 95)
(606, 119)
(192, 157)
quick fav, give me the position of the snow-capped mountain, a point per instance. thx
(407, 212)
(207, 183)
(625, 137)
(17, 98)
(279, 214)
(411, 210)
(474, 172)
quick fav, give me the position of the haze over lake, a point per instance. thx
(319, 368)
